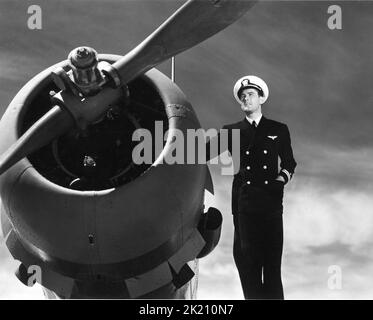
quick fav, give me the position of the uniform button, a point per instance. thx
(266, 182)
(248, 167)
(264, 167)
(247, 152)
(248, 182)
(265, 151)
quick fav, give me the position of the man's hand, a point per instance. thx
(281, 178)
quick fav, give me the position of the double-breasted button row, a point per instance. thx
(249, 182)
(264, 167)
(264, 151)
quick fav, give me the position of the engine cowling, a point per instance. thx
(128, 240)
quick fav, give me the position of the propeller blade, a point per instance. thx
(53, 124)
(194, 22)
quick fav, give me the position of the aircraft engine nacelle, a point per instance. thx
(97, 224)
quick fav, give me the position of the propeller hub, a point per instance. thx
(85, 72)
(83, 57)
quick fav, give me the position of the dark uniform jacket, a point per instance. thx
(254, 185)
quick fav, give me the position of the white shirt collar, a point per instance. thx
(257, 119)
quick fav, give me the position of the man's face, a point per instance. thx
(251, 101)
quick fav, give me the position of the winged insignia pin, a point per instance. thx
(272, 137)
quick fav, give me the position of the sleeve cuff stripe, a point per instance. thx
(287, 173)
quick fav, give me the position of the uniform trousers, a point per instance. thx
(257, 251)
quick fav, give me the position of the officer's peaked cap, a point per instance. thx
(250, 82)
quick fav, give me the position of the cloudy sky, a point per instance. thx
(320, 85)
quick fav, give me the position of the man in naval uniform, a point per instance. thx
(257, 192)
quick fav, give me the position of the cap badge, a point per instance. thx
(245, 82)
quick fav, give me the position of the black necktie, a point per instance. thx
(253, 125)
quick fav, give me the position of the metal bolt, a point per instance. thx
(91, 239)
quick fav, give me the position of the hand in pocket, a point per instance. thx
(277, 188)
